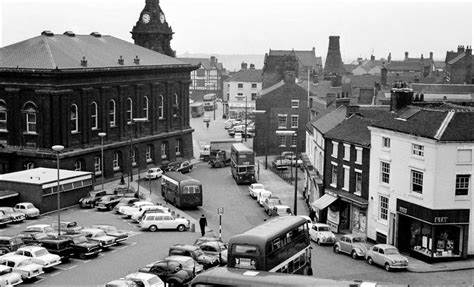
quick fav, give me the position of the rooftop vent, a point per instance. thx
(120, 60)
(69, 33)
(96, 34)
(47, 33)
(136, 60)
(84, 62)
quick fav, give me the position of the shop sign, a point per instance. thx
(440, 219)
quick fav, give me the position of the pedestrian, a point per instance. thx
(312, 214)
(207, 124)
(203, 224)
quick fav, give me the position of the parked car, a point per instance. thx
(354, 245)
(28, 209)
(81, 246)
(137, 216)
(66, 226)
(14, 215)
(125, 201)
(263, 195)
(124, 282)
(387, 256)
(281, 210)
(156, 221)
(108, 202)
(269, 203)
(98, 235)
(42, 228)
(173, 270)
(8, 277)
(180, 166)
(111, 230)
(127, 211)
(31, 237)
(59, 246)
(125, 191)
(4, 218)
(215, 248)
(293, 160)
(195, 253)
(231, 122)
(39, 255)
(22, 265)
(9, 244)
(281, 163)
(308, 220)
(321, 234)
(255, 189)
(154, 173)
(91, 198)
(147, 279)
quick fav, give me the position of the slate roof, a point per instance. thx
(66, 52)
(352, 130)
(457, 58)
(272, 88)
(321, 89)
(249, 75)
(403, 65)
(307, 58)
(327, 121)
(442, 88)
(205, 62)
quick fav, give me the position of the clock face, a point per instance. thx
(145, 18)
(162, 18)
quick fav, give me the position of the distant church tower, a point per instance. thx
(334, 65)
(152, 31)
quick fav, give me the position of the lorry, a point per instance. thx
(197, 110)
(219, 155)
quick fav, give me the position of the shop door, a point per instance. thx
(404, 233)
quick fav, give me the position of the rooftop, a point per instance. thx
(42, 175)
(249, 75)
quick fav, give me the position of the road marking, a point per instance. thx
(115, 250)
(38, 281)
(133, 243)
(61, 268)
(73, 266)
(55, 273)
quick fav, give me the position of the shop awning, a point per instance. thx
(323, 202)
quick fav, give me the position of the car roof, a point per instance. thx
(179, 258)
(141, 275)
(321, 225)
(39, 225)
(385, 246)
(14, 257)
(31, 247)
(185, 246)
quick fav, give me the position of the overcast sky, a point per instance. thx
(255, 26)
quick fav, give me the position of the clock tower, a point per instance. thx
(152, 31)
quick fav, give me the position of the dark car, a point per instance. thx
(215, 248)
(10, 244)
(31, 237)
(108, 202)
(67, 226)
(58, 246)
(180, 166)
(174, 270)
(82, 247)
(91, 199)
(195, 253)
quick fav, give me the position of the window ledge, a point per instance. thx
(358, 162)
(116, 168)
(3, 131)
(148, 160)
(462, 198)
(416, 195)
(382, 222)
(30, 133)
(333, 185)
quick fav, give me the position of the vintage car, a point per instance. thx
(125, 201)
(127, 211)
(174, 270)
(156, 221)
(123, 282)
(39, 255)
(59, 246)
(147, 279)
(215, 248)
(154, 173)
(110, 230)
(9, 244)
(387, 256)
(4, 218)
(8, 277)
(137, 216)
(14, 215)
(31, 237)
(264, 194)
(108, 202)
(354, 245)
(269, 203)
(67, 226)
(42, 228)
(81, 246)
(180, 166)
(28, 209)
(195, 253)
(22, 265)
(255, 189)
(125, 191)
(99, 236)
(321, 234)
(91, 198)
(281, 210)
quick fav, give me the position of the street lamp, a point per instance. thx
(293, 133)
(58, 149)
(102, 135)
(132, 121)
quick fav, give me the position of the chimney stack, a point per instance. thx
(243, 66)
(383, 72)
(213, 60)
(252, 66)
(401, 96)
(334, 63)
(468, 62)
(389, 58)
(372, 58)
(431, 56)
(406, 56)
(460, 49)
(290, 77)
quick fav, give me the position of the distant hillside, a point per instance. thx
(230, 62)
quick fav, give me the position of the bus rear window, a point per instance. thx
(245, 249)
(190, 189)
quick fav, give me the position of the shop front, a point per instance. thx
(432, 235)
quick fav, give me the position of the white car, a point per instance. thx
(281, 210)
(230, 123)
(22, 265)
(39, 255)
(8, 277)
(255, 188)
(137, 216)
(42, 228)
(28, 209)
(154, 173)
(127, 211)
(387, 256)
(99, 236)
(148, 279)
(321, 234)
(156, 221)
(14, 215)
(264, 194)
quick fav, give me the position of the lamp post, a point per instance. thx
(293, 133)
(132, 121)
(102, 135)
(58, 149)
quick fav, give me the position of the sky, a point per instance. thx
(255, 26)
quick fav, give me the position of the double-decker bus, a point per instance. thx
(209, 101)
(279, 245)
(242, 165)
(181, 190)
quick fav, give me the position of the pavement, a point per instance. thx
(285, 192)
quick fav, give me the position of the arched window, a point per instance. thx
(149, 153)
(112, 114)
(145, 107)
(94, 118)
(161, 102)
(30, 112)
(175, 105)
(74, 119)
(129, 111)
(30, 165)
(116, 161)
(3, 116)
(78, 165)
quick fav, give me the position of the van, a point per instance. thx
(205, 152)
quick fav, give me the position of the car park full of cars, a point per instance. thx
(321, 234)
(194, 252)
(81, 246)
(8, 277)
(110, 230)
(157, 221)
(351, 244)
(387, 256)
(98, 235)
(28, 209)
(91, 198)
(154, 173)
(22, 265)
(39, 255)
(15, 216)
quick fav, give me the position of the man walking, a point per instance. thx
(203, 224)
